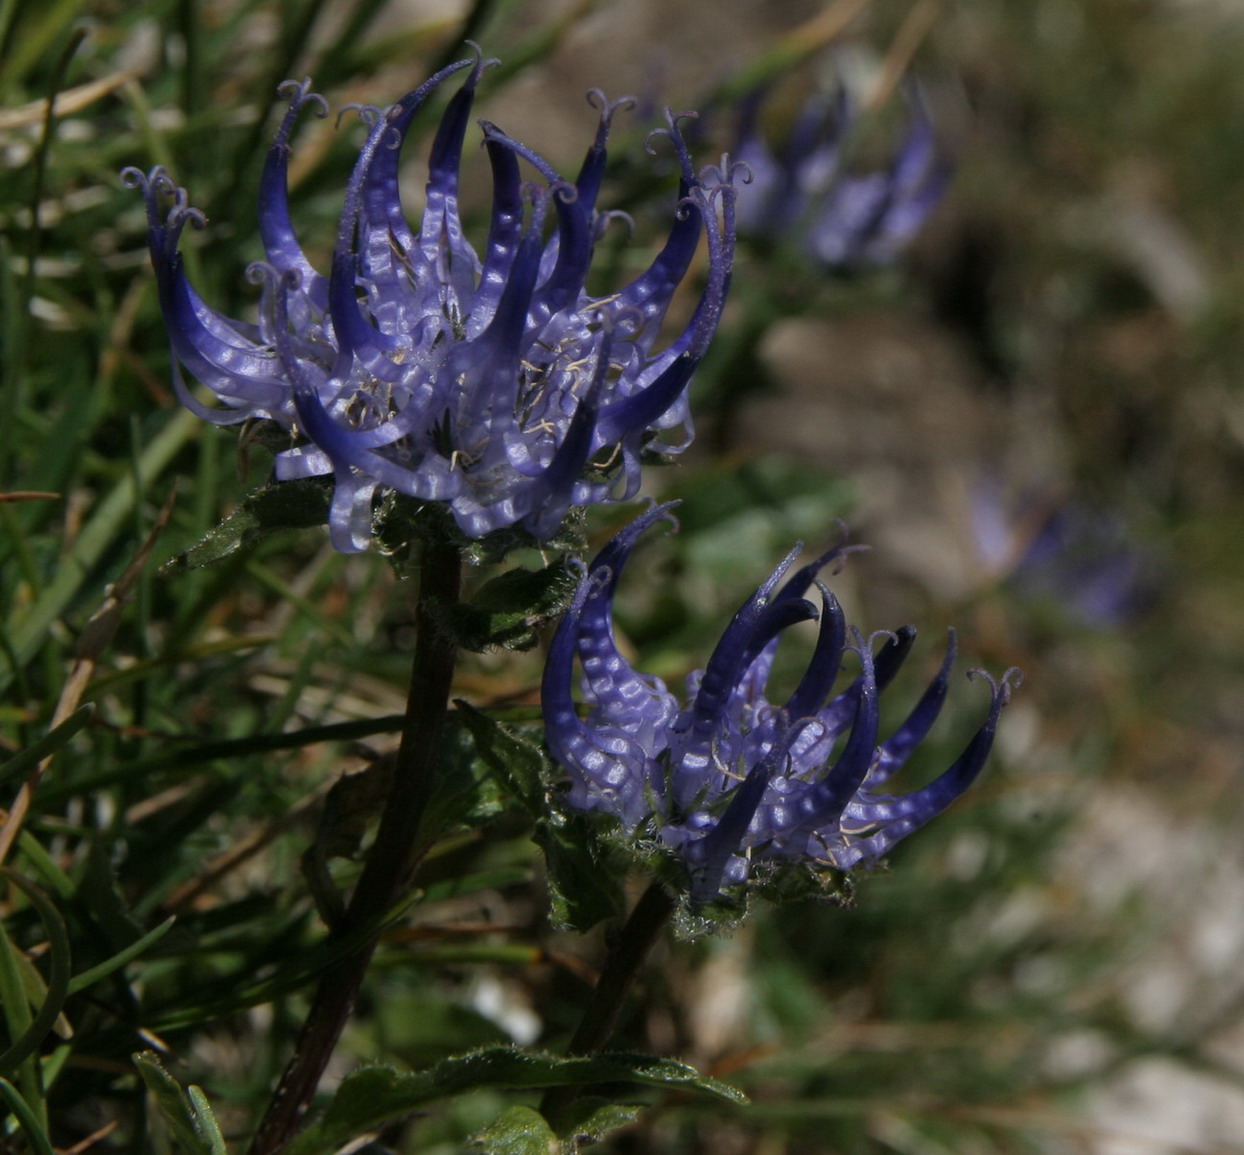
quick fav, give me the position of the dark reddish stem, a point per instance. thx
(627, 951)
(390, 865)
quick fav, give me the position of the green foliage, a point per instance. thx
(24, 987)
(584, 870)
(26, 760)
(276, 508)
(32, 1128)
(376, 1095)
(186, 1110)
(517, 1131)
(402, 523)
(138, 947)
(510, 610)
(524, 1131)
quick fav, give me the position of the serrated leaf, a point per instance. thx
(299, 504)
(516, 762)
(591, 1118)
(464, 794)
(186, 1111)
(401, 522)
(584, 884)
(518, 1131)
(509, 611)
(377, 1095)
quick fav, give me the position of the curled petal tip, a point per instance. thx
(1001, 688)
(369, 115)
(725, 173)
(264, 273)
(482, 63)
(608, 108)
(131, 177)
(299, 94)
(673, 133)
(1011, 680)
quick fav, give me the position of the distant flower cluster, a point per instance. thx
(730, 783)
(494, 383)
(803, 194)
(1085, 561)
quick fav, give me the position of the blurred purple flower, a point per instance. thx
(494, 384)
(840, 219)
(732, 784)
(1088, 564)
(1085, 561)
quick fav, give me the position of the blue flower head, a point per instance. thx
(491, 382)
(731, 785)
(838, 218)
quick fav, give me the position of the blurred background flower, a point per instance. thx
(805, 194)
(1081, 562)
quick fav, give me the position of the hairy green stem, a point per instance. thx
(393, 857)
(627, 951)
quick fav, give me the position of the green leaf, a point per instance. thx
(584, 880)
(516, 762)
(294, 967)
(377, 1095)
(299, 504)
(90, 977)
(510, 610)
(45, 1019)
(464, 794)
(518, 1131)
(36, 990)
(100, 892)
(187, 1111)
(591, 1118)
(28, 626)
(402, 522)
(420, 1026)
(29, 1121)
(53, 740)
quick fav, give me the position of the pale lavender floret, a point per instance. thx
(1084, 560)
(839, 218)
(731, 781)
(1089, 563)
(776, 198)
(491, 382)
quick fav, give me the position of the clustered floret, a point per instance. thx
(838, 218)
(732, 784)
(496, 385)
